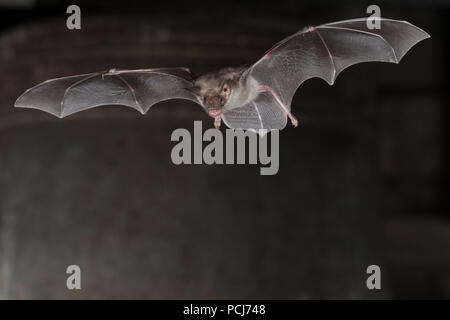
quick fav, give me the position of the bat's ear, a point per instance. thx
(195, 90)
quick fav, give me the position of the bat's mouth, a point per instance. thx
(214, 112)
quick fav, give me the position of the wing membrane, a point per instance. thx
(324, 52)
(137, 89)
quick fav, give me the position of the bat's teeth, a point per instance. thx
(214, 113)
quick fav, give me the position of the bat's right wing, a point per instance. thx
(323, 52)
(138, 89)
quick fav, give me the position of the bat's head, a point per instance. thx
(213, 99)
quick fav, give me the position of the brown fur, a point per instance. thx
(214, 89)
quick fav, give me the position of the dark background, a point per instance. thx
(363, 180)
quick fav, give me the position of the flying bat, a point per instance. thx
(255, 97)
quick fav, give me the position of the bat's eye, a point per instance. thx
(204, 100)
(221, 100)
(225, 89)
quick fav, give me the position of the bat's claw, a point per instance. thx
(293, 120)
(110, 72)
(217, 122)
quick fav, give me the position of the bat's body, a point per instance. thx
(224, 90)
(255, 97)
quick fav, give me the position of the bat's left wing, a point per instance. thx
(323, 52)
(138, 89)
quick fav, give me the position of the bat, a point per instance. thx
(254, 97)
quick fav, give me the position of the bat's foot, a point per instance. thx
(217, 122)
(282, 105)
(293, 120)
